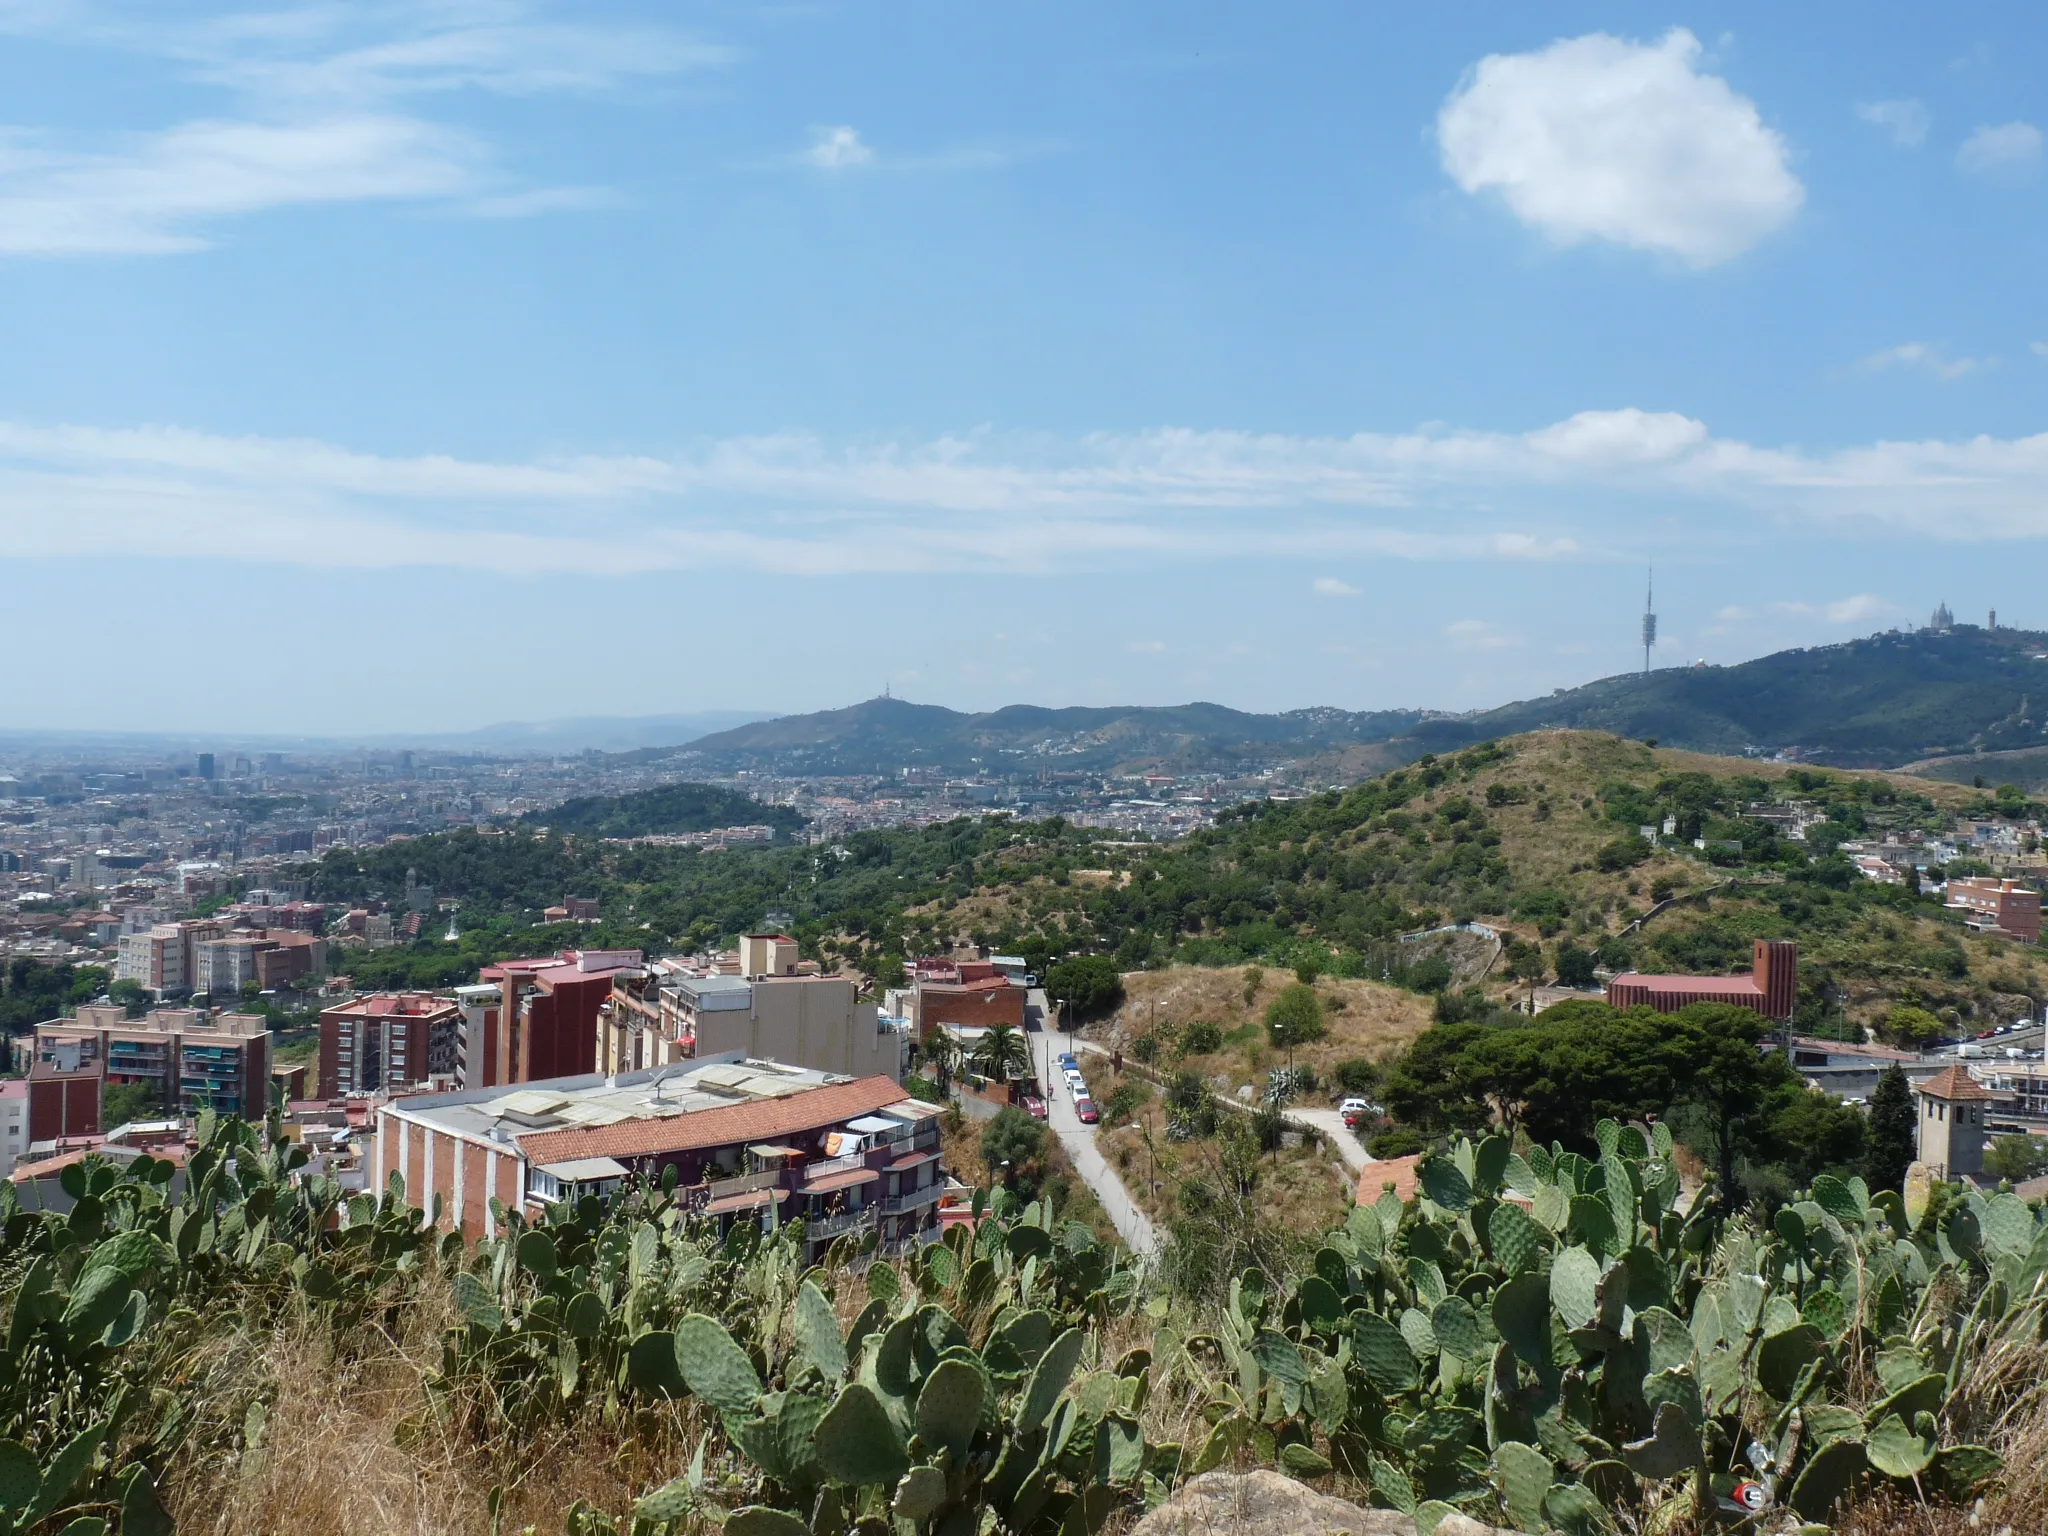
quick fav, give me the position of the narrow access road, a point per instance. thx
(1331, 1124)
(1131, 1223)
(1326, 1121)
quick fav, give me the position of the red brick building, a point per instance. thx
(387, 1041)
(64, 1098)
(2002, 908)
(976, 1004)
(1771, 988)
(547, 1012)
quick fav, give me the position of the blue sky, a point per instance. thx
(374, 367)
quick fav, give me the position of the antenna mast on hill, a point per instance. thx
(1649, 618)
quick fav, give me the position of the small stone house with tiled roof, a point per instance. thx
(1951, 1126)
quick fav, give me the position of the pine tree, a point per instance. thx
(1894, 1141)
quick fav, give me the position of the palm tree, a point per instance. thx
(1002, 1053)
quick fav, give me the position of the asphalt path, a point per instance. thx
(1131, 1223)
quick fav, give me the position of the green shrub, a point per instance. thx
(1356, 1075)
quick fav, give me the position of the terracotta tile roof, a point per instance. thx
(1954, 1084)
(1397, 1171)
(729, 1125)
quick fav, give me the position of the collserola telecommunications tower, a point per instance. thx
(1649, 618)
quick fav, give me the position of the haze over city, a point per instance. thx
(421, 367)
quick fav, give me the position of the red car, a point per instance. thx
(1034, 1106)
(1085, 1108)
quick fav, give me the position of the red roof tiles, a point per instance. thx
(1954, 1084)
(729, 1125)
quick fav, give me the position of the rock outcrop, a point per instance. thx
(1271, 1504)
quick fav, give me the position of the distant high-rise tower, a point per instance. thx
(1994, 620)
(1649, 619)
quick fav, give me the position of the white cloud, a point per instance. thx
(797, 504)
(1146, 647)
(838, 149)
(2007, 146)
(310, 119)
(2038, 348)
(1906, 120)
(1918, 354)
(157, 194)
(1330, 586)
(1597, 137)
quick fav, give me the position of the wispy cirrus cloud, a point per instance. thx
(320, 104)
(800, 504)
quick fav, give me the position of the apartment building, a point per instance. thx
(660, 1015)
(388, 1042)
(749, 1141)
(13, 1122)
(476, 1046)
(189, 1059)
(547, 1012)
(221, 966)
(768, 954)
(160, 958)
(2002, 908)
(270, 958)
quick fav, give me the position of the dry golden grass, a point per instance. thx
(351, 1446)
(1365, 1018)
(1302, 1190)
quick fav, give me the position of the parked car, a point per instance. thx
(1034, 1106)
(1355, 1112)
(1068, 1059)
(1085, 1108)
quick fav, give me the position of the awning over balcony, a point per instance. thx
(847, 1178)
(751, 1200)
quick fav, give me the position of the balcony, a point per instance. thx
(916, 1199)
(820, 1228)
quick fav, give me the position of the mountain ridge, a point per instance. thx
(1878, 702)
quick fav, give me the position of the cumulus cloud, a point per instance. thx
(2008, 146)
(1600, 138)
(1906, 121)
(1330, 586)
(838, 149)
(1918, 354)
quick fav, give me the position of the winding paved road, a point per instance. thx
(1131, 1223)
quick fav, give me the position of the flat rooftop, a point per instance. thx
(644, 1110)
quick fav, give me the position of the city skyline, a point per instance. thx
(442, 366)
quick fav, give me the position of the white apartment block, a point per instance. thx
(13, 1123)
